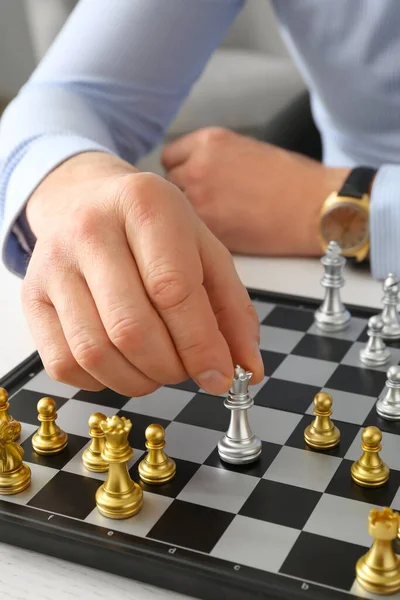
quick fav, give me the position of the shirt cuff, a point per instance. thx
(385, 222)
(42, 156)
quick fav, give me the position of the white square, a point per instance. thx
(165, 403)
(76, 466)
(351, 333)
(219, 488)
(73, 416)
(26, 431)
(40, 475)
(263, 309)
(352, 358)
(359, 592)
(303, 468)
(154, 506)
(277, 339)
(256, 544)
(311, 371)
(390, 452)
(190, 442)
(350, 408)
(43, 384)
(341, 519)
(271, 425)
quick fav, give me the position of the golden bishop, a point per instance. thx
(119, 497)
(378, 571)
(15, 476)
(370, 470)
(49, 438)
(156, 467)
(322, 434)
(4, 415)
(91, 457)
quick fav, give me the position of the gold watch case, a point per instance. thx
(345, 220)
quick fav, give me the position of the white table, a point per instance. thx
(25, 575)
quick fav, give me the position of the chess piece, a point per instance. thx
(156, 467)
(49, 438)
(239, 445)
(119, 497)
(332, 315)
(389, 315)
(375, 353)
(15, 476)
(5, 416)
(378, 571)
(370, 470)
(91, 457)
(322, 434)
(388, 403)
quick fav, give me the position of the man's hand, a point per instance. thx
(256, 198)
(127, 288)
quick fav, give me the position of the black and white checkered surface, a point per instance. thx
(295, 512)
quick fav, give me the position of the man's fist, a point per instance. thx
(127, 288)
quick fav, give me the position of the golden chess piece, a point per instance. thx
(4, 415)
(370, 470)
(378, 571)
(49, 438)
(156, 467)
(118, 497)
(91, 457)
(15, 476)
(322, 434)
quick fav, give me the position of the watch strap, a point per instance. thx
(358, 182)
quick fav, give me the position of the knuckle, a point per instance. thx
(126, 334)
(138, 198)
(87, 351)
(212, 135)
(143, 389)
(198, 172)
(60, 368)
(166, 286)
(87, 224)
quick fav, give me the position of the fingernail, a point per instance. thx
(213, 382)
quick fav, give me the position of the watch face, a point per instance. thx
(347, 225)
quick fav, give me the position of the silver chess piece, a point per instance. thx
(390, 315)
(388, 404)
(332, 316)
(239, 445)
(375, 353)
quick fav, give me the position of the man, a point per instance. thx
(129, 283)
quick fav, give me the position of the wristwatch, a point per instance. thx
(344, 216)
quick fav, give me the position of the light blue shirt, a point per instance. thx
(119, 71)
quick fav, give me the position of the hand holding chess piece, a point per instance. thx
(378, 571)
(4, 415)
(119, 497)
(322, 434)
(15, 476)
(49, 438)
(156, 467)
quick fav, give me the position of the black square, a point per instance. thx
(256, 469)
(139, 424)
(184, 472)
(68, 494)
(105, 398)
(342, 485)
(348, 431)
(23, 406)
(271, 361)
(299, 319)
(357, 380)
(191, 526)
(383, 424)
(317, 346)
(323, 560)
(286, 395)
(205, 411)
(188, 386)
(363, 337)
(55, 461)
(281, 504)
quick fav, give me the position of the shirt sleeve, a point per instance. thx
(385, 222)
(112, 81)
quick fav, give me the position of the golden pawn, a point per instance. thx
(15, 476)
(322, 434)
(91, 457)
(119, 497)
(49, 438)
(156, 467)
(4, 416)
(370, 470)
(378, 571)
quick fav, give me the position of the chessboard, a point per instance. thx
(291, 525)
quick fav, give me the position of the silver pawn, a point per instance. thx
(388, 404)
(375, 353)
(239, 445)
(389, 315)
(332, 316)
